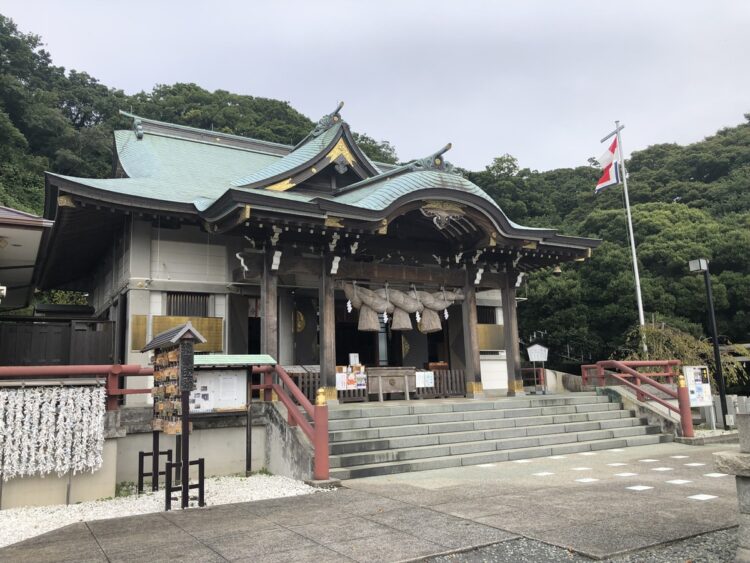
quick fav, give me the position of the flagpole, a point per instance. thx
(636, 274)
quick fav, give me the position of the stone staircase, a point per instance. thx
(380, 439)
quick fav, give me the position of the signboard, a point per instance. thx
(698, 384)
(349, 380)
(219, 390)
(537, 353)
(425, 379)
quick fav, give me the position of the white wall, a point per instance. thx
(187, 254)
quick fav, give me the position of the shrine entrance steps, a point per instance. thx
(384, 438)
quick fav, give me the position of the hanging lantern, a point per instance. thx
(419, 317)
(349, 306)
(445, 314)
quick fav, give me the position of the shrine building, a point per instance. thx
(313, 254)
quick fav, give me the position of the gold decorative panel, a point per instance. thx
(212, 329)
(490, 337)
(138, 330)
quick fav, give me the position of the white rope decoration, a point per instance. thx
(51, 429)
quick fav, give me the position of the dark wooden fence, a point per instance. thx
(50, 343)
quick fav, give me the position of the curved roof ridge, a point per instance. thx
(301, 154)
(207, 132)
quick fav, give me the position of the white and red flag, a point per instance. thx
(609, 163)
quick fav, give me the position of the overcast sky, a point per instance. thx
(541, 80)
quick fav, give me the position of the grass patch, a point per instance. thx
(125, 489)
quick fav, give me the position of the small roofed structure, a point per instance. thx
(20, 236)
(172, 337)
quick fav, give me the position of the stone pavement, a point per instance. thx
(597, 505)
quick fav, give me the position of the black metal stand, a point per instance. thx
(155, 456)
(185, 486)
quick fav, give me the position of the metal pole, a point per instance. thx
(639, 299)
(248, 427)
(155, 461)
(717, 353)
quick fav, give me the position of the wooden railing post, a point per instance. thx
(268, 381)
(683, 400)
(320, 439)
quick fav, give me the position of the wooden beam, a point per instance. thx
(269, 308)
(471, 342)
(510, 330)
(380, 273)
(327, 331)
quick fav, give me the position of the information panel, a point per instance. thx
(699, 385)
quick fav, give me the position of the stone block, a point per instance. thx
(450, 427)
(504, 433)
(472, 448)
(528, 454)
(494, 423)
(534, 420)
(743, 497)
(574, 448)
(515, 443)
(733, 463)
(347, 435)
(421, 453)
(515, 413)
(483, 415)
(440, 417)
(557, 439)
(391, 431)
(348, 424)
(401, 420)
(456, 437)
(743, 428)
(488, 457)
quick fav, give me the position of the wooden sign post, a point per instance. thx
(173, 382)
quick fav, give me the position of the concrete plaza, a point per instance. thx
(597, 504)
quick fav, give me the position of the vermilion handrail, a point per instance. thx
(112, 372)
(627, 369)
(317, 432)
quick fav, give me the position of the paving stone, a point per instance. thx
(394, 546)
(258, 545)
(314, 554)
(72, 543)
(442, 529)
(346, 526)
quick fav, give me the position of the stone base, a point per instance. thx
(733, 463)
(324, 483)
(704, 440)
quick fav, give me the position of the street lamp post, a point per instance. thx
(701, 266)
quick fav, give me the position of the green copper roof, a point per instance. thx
(237, 360)
(379, 194)
(297, 157)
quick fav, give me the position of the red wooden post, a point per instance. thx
(686, 416)
(267, 381)
(320, 440)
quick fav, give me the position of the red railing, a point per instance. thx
(623, 371)
(292, 398)
(111, 373)
(536, 376)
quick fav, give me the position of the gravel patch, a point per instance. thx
(18, 524)
(714, 547)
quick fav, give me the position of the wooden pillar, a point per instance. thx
(472, 373)
(327, 320)
(269, 311)
(510, 330)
